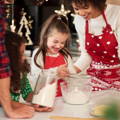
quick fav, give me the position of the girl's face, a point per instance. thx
(86, 12)
(22, 55)
(56, 41)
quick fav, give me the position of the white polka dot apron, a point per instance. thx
(105, 66)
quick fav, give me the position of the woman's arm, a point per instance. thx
(84, 60)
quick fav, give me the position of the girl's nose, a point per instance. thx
(81, 13)
(58, 46)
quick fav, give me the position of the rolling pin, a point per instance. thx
(72, 118)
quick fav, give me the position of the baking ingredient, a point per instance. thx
(76, 97)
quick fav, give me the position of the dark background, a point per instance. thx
(39, 13)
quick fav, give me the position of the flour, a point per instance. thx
(75, 97)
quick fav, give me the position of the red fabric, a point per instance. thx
(51, 62)
(103, 50)
(4, 60)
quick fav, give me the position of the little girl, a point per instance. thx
(52, 51)
(20, 85)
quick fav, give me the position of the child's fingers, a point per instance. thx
(35, 105)
(63, 70)
(43, 109)
(64, 65)
(39, 108)
(50, 109)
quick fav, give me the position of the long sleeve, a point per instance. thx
(35, 71)
(84, 60)
(4, 60)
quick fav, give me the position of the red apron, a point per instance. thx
(52, 62)
(105, 66)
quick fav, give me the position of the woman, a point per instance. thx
(98, 28)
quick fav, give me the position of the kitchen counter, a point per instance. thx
(60, 109)
(82, 111)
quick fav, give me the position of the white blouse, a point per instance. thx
(35, 70)
(96, 25)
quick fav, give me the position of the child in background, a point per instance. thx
(52, 52)
(20, 85)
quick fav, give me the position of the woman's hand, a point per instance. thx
(64, 71)
(39, 108)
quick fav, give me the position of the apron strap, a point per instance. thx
(87, 24)
(103, 14)
(87, 27)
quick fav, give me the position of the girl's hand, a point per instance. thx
(63, 71)
(39, 108)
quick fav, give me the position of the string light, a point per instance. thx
(12, 26)
(25, 24)
(62, 11)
